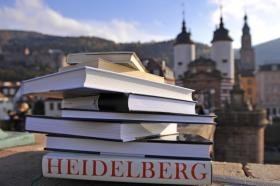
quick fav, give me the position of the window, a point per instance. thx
(224, 60)
(274, 111)
(58, 106)
(249, 81)
(225, 74)
(249, 91)
(180, 63)
(51, 106)
(224, 91)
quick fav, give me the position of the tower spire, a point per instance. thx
(221, 15)
(245, 17)
(246, 28)
(245, 14)
(183, 14)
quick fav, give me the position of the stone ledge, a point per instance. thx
(23, 165)
(11, 139)
(26, 168)
(246, 174)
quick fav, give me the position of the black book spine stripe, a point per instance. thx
(124, 120)
(141, 140)
(51, 134)
(141, 112)
(75, 119)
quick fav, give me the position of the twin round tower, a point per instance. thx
(221, 52)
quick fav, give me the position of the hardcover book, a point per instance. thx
(103, 130)
(126, 169)
(136, 117)
(86, 81)
(99, 63)
(110, 66)
(173, 146)
(130, 103)
(129, 59)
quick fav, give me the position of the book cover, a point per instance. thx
(130, 103)
(115, 67)
(84, 81)
(129, 59)
(136, 117)
(103, 130)
(126, 169)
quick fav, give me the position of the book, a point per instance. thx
(86, 81)
(102, 130)
(129, 103)
(126, 169)
(129, 59)
(145, 76)
(85, 114)
(110, 66)
(101, 64)
(172, 146)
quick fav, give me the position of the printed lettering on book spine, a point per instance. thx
(129, 170)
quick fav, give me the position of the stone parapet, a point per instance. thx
(239, 136)
(231, 118)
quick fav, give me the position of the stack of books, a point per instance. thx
(119, 123)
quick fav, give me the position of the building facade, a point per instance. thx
(52, 107)
(159, 67)
(221, 62)
(268, 88)
(248, 83)
(205, 79)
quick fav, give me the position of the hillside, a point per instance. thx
(13, 44)
(268, 52)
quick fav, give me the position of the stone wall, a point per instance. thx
(239, 144)
(239, 136)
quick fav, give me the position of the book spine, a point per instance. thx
(102, 102)
(88, 102)
(127, 169)
(113, 102)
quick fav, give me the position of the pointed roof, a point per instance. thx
(184, 37)
(246, 28)
(221, 33)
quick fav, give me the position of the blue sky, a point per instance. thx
(140, 20)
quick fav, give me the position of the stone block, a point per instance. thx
(12, 139)
(263, 171)
(228, 169)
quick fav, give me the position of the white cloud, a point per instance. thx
(263, 18)
(35, 15)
